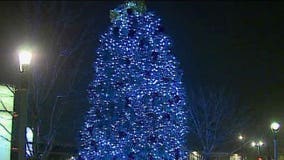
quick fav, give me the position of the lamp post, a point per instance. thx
(241, 139)
(21, 93)
(258, 145)
(275, 129)
(240, 148)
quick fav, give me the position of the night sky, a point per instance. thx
(236, 44)
(233, 44)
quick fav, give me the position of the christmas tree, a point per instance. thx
(137, 96)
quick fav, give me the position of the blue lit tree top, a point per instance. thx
(137, 96)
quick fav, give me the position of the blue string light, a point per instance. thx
(137, 96)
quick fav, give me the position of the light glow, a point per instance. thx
(257, 144)
(260, 143)
(25, 58)
(275, 126)
(241, 137)
(235, 157)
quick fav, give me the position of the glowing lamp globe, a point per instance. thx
(253, 144)
(260, 143)
(25, 58)
(241, 137)
(275, 127)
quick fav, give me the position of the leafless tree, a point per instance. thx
(216, 115)
(58, 32)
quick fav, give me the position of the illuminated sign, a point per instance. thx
(6, 116)
(235, 157)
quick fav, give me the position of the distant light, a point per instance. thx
(194, 153)
(260, 143)
(259, 158)
(241, 137)
(25, 58)
(235, 157)
(71, 158)
(257, 144)
(275, 127)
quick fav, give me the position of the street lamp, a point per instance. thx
(22, 106)
(244, 142)
(257, 144)
(241, 138)
(275, 129)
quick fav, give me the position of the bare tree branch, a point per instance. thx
(214, 117)
(5, 138)
(54, 29)
(9, 87)
(4, 127)
(4, 107)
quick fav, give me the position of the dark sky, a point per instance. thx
(237, 44)
(234, 44)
